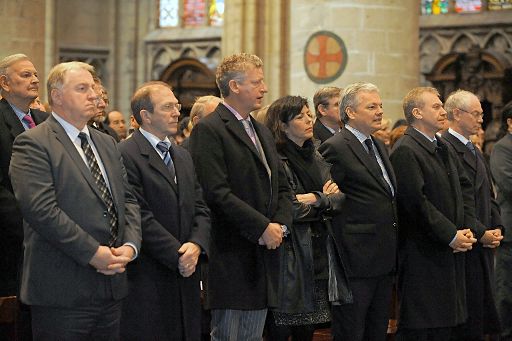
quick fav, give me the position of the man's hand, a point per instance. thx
(308, 198)
(491, 238)
(463, 241)
(272, 237)
(188, 260)
(330, 187)
(110, 261)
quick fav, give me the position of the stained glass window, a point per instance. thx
(216, 12)
(194, 13)
(467, 6)
(169, 13)
(496, 5)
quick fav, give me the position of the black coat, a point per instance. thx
(296, 283)
(435, 199)
(483, 316)
(366, 232)
(11, 237)
(501, 168)
(161, 304)
(243, 201)
(320, 132)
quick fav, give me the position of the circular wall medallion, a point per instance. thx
(325, 57)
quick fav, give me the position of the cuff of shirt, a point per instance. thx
(136, 252)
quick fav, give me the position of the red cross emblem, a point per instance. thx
(325, 57)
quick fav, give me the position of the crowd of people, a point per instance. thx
(262, 221)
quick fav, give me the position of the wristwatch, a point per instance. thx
(285, 230)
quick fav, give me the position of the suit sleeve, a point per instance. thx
(32, 180)
(212, 172)
(410, 185)
(501, 168)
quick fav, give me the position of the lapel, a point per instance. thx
(462, 150)
(11, 120)
(237, 129)
(385, 159)
(70, 149)
(360, 153)
(153, 159)
(421, 140)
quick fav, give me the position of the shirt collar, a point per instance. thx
(360, 136)
(234, 112)
(459, 136)
(70, 129)
(19, 112)
(153, 140)
(426, 136)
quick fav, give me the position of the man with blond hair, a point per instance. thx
(327, 108)
(82, 222)
(436, 212)
(465, 116)
(250, 201)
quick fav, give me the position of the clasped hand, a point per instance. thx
(463, 241)
(111, 260)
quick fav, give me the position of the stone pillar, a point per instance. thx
(381, 37)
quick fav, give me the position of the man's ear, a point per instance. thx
(321, 109)
(145, 116)
(56, 96)
(233, 86)
(416, 112)
(4, 83)
(350, 113)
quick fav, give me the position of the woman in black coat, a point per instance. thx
(310, 263)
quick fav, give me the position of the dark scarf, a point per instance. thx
(303, 163)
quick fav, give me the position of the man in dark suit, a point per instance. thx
(436, 212)
(164, 298)
(465, 115)
(250, 201)
(82, 223)
(98, 120)
(501, 168)
(327, 104)
(19, 86)
(366, 230)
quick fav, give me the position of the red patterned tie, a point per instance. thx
(29, 121)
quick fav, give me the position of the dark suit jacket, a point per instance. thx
(243, 201)
(11, 237)
(320, 132)
(106, 130)
(366, 230)
(65, 216)
(501, 168)
(435, 199)
(483, 316)
(163, 305)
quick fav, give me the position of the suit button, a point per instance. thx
(104, 213)
(395, 224)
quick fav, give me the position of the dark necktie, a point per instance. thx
(375, 163)
(102, 186)
(29, 121)
(164, 148)
(471, 147)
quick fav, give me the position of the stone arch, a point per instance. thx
(497, 41)
(189, 79)
(463, 42)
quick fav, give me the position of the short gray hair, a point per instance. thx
(349, 97)
(234, 67)
(10, 60)
(199, 107)
(457, 100)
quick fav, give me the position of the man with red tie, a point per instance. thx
(19, 86)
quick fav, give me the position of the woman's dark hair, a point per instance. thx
(283, 110)
(506, 113)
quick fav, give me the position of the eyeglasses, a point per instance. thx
(171, 107)
(475, 114)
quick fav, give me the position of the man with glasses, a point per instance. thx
(465, 115)
(164, 298)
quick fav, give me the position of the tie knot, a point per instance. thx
(83, 138)
(470, 145)
(368, 143)
(29, 121)
(163, 147)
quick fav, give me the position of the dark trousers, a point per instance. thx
(282, 332)
(367, 318)
(504, 288)
(431, 334)
(97, 321)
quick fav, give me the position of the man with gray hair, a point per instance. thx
(246, 189)
(82, 222)
(436, 211)
(202, 107)
(19, 86)
(465, 116)
(366, 231)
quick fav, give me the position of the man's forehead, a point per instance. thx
(22, 65)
